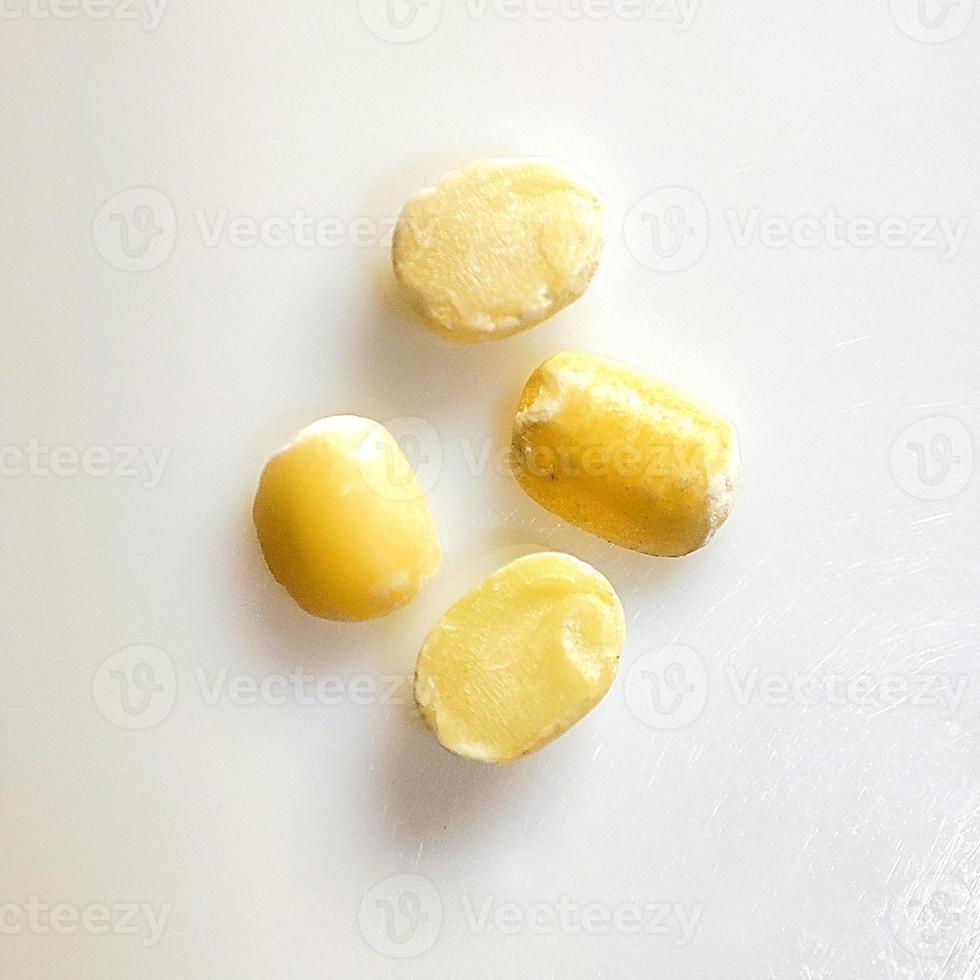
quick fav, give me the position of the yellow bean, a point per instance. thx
(623, 456)
(498, 246)
(342, 522)
(521, 659)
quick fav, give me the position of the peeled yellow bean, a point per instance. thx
(623, 456)
(498, 246)
(342, 521)
(521, 659)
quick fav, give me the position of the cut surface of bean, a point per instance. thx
(520, 659)
(498, 246)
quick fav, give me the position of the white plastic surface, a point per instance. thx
(791, 789)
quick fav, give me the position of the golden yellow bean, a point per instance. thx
(342, 522)
(623, 456)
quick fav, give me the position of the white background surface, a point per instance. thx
(828, 833)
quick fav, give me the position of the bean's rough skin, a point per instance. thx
(624, 456)
(522, 658)
(342, 522)
(498, 247)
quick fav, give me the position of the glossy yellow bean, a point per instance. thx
(342, 522)
(623, 456)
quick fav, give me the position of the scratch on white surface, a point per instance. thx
(849, 634)
(947, 857)
(656, 768)
(742, 582)
(857, 405)
(973, 967)
(933, 406)
(932, 519)
(890, 707)
(840, 343)
(970, 733)
(743, 169)
(894, 867)
(824, 660)
(935, 843)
